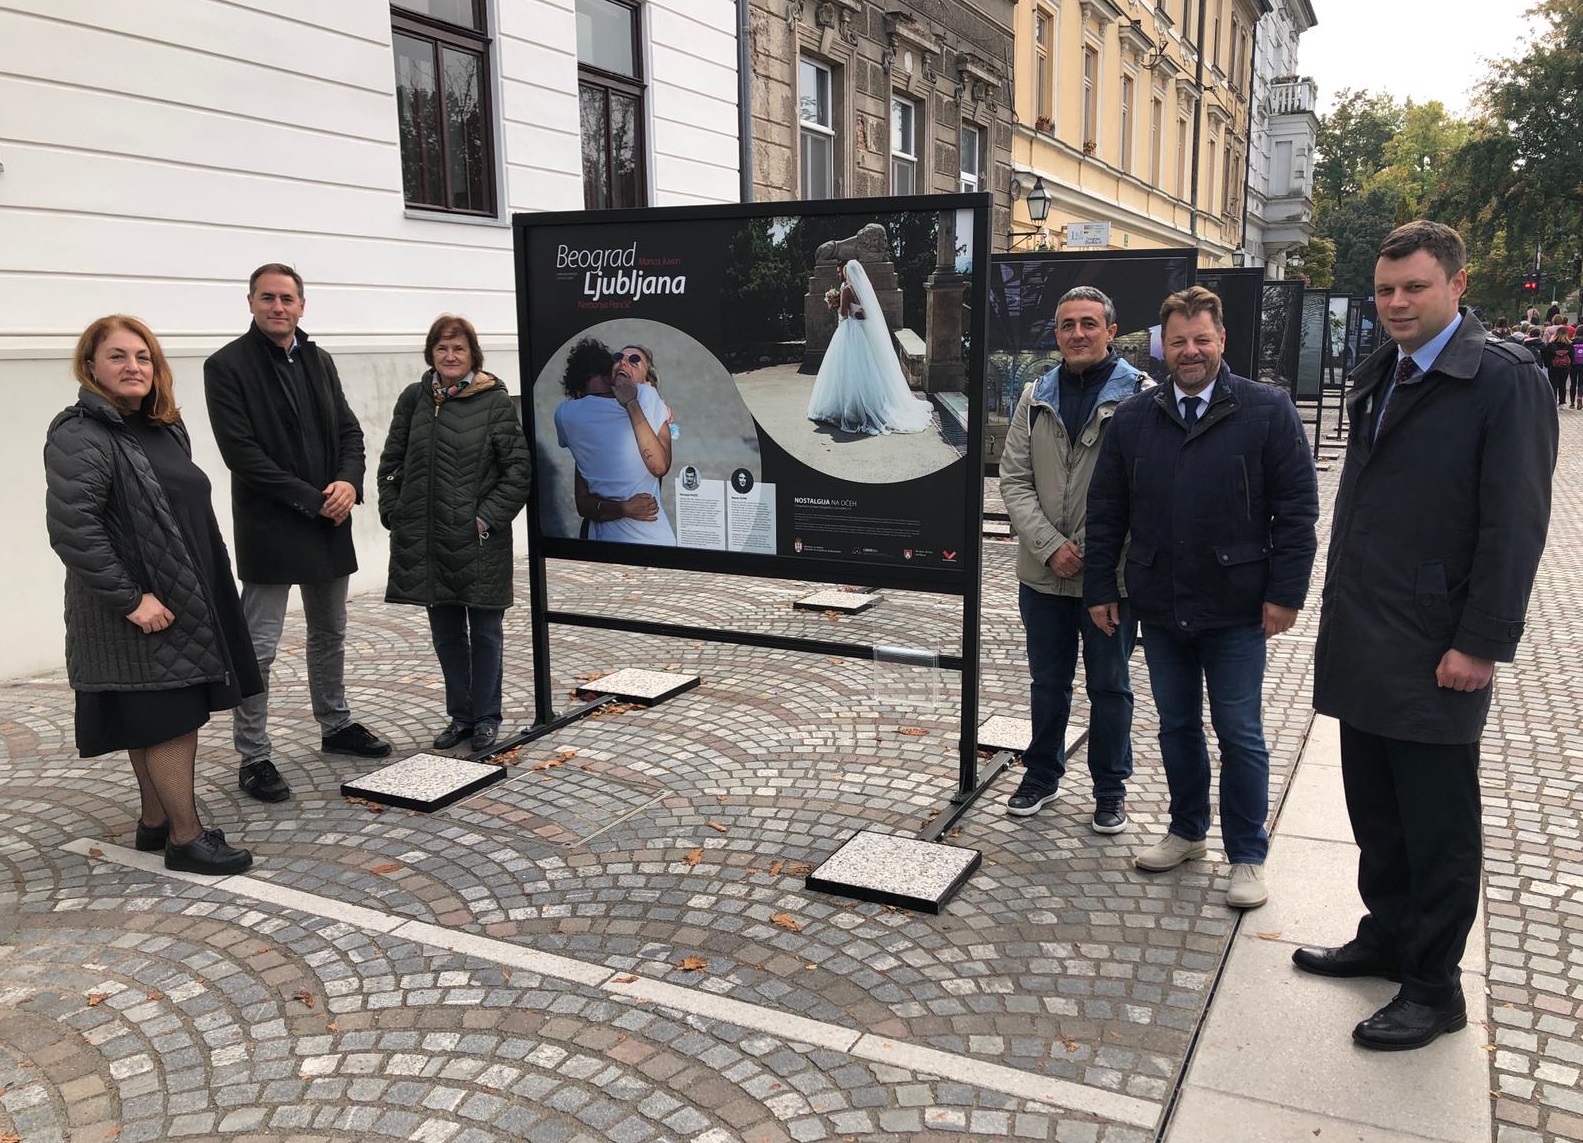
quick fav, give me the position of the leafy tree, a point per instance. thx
(1351, 142)
(1357, 227)
(1314, 262)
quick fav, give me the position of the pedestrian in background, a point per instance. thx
(1576, 393)
(453, 476)
(1558, 361)
(1213, 478)
(1051, 447)
(155, 638)
(1439, 525)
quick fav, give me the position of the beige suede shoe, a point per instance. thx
(1169, 852)
(1247, 890)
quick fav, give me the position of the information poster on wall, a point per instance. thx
(767, 389)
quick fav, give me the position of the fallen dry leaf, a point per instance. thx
(510, 757)
(1071, 1045)
(775, 868)
(113, 1132)
(913, 731)
(799, 869)
(333, 1026)
(718, 826)
(153, 996)
(96, 852)
(1271, 936)
(97, 998)
(548, 764)
(692, 964)
(626, 980)
(305, 997)
(694, 856)
(592, 677)
(786, 921)
(388, 867)
(836, 662)
(673, 666)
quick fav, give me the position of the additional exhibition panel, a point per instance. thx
(1242, 296)
(1280, 335)
(1024, 290)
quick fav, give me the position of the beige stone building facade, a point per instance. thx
(853, 98)
(1135, 115)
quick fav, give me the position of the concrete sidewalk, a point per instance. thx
(1275, 1061)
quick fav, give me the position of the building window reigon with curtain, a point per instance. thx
(610, 91)
(903, 146)
(816, 130)
(444, 117)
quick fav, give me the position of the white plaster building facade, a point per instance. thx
(154, 153)
(1281, 157)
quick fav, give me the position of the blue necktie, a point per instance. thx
(1190, 411)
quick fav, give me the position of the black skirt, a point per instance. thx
(130, 720)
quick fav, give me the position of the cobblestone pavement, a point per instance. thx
(669, 845)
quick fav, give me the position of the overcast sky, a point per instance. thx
(1412, 50)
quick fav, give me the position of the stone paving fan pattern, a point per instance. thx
(173, 1010)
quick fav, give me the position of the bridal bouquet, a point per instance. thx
(832, 297)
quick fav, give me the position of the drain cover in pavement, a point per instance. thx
(646, 688)
(893, 870)
(425, 782)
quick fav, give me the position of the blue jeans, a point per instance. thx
(1053, 624)
(1230, 660)
(470, 643)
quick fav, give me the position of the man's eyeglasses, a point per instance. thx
(629, 358)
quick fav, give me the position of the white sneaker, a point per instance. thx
(1169, 852)
(1246, 890)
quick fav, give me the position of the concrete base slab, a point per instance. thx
(1324, 909)
(846, 602)
(1003, 732)
(1315, 806)
(1247, 1049)
(424, 782)
(1213, 1117)
(646, 688)
(894, 870)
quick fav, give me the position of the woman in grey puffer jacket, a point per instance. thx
(453, 476)
(155, 638)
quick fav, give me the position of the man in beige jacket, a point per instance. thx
(1049, 457)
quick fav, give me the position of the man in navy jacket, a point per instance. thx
(1213, 478)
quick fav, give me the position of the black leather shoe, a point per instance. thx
(1405, 1024)
(262, 781)
(355, 738)
(1350, 959)
(151, 839)
(207, 853)
(485, 734)
(451, 735)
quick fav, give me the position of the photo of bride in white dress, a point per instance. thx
(860, 387)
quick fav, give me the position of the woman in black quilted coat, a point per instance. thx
(155, 638)
(454, 474)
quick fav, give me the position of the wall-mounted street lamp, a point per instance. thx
(1038, 202)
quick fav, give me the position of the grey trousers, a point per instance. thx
(324, 607)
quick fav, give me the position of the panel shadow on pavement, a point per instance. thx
(561, 798)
